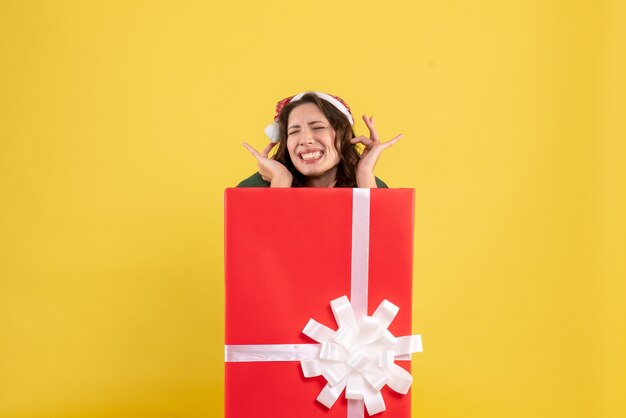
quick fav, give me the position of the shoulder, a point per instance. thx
(381, 184)
(254, 180)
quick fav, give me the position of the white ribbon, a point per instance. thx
(359, 356)
(270, 352)
(360, 250)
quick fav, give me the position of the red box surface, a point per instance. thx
(287, 255)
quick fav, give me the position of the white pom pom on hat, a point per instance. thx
(272, 130)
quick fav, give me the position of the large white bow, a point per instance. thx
(359, 356)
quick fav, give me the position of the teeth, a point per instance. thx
(311, 155)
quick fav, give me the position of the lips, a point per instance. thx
(311, 156)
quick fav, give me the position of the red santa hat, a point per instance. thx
(272, 131)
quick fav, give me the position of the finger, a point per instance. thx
(393, 141)
(252, 151)
(361, 139)
(268, 148)
(369, 122)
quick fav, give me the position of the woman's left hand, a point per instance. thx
(370, 155)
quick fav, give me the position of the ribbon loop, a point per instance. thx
(374, 402)
(386, 358)
(357, 360)
(376, 377)
(319, 332)
(355, 387)
(387, 339)
(315, 367)
(408, 344)
(336, 373)
(344, 336)
(386, 312)
(343, 312)
(399, 379)
(332, 351)
(329, 394)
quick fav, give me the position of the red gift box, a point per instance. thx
(288, 253)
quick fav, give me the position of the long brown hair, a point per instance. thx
(349, 157)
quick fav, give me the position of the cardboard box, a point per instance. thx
(288, 253)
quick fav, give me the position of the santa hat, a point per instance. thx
(272, 130)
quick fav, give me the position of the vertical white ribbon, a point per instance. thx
(360, 250)
(360, 270)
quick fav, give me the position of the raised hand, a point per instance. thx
(370, 155)
(270, 169)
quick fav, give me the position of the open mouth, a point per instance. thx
(311, 156)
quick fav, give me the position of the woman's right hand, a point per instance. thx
(270, 169)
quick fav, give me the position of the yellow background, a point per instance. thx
(121, 123)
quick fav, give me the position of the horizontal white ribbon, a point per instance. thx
(271, 352)
(243, 353)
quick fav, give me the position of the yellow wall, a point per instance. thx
(121, 123)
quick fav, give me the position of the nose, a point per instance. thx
(306, 136)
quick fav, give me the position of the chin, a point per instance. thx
(309, 173)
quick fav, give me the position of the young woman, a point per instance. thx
(317, 146)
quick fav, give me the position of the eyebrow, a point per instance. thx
(310, 123)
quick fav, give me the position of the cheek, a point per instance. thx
(336, 146)
(290, 144)
(291, 148)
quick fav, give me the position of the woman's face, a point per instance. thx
(311, 142)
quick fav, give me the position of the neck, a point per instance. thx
(328, 179)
